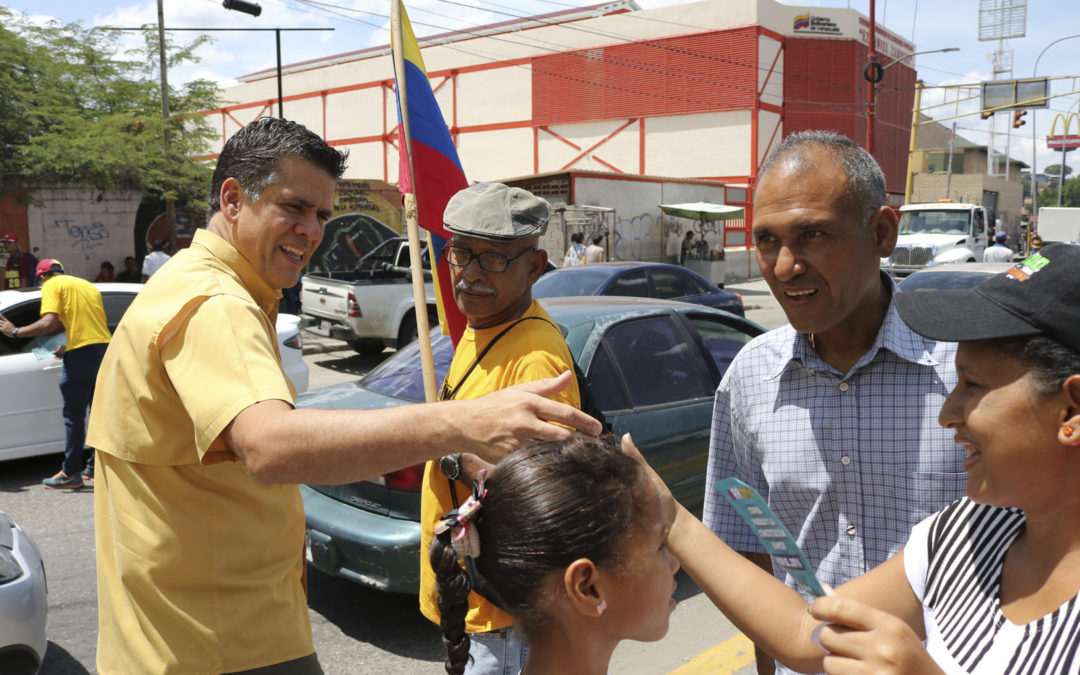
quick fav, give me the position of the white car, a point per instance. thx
(30, 400)
(23, 603)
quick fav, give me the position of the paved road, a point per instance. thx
(355, 630)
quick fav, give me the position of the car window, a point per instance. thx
(657, 363)
(401, 376)
(634, 283)
(580, 281)
(722, 341)
(115, 306)
(670, 284)
(22, 314)
(604, 382)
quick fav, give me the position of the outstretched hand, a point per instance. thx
(862, 639)
(511, 418)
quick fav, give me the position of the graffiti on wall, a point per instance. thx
(637, 238)
(84, 237)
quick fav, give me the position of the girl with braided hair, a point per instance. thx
(569, 538)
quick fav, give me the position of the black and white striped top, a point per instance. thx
(953, 562)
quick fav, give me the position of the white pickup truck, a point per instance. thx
(937, 233)
(370, 306)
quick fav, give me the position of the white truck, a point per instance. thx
(370, 306)
(936, 233)
(1059, 224)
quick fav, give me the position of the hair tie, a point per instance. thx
(461, 522)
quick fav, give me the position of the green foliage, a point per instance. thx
(74, 110)
(1070, 194)
(1055, 170)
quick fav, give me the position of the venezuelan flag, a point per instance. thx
(428, 165)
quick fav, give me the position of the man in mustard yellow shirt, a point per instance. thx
(494, 259)
(74, 305)
(198, 519)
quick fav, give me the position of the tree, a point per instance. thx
(76, 111)
(1055, 170)
(1070, 194)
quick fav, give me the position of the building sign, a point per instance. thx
(810, 23)
(1064, 141)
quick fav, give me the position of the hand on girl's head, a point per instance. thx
(668, 505)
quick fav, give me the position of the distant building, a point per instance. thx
(965, 179)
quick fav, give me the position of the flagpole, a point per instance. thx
(423, 329)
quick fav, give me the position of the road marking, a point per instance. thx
(727, 657)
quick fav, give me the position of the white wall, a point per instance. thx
(82, 228)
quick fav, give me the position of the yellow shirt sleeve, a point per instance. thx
(222, 360)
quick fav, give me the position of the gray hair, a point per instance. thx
(865, 190)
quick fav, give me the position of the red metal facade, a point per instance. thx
(824, 89)
(687, 74)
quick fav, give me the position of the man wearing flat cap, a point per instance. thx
(494, 259)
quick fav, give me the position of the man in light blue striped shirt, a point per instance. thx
(833, 418)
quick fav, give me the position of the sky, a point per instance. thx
(359, 24)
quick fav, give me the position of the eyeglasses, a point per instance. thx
(489, 260)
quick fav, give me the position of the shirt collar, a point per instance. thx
(266, 297)
(893, 335)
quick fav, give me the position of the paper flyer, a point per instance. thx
(771, 532)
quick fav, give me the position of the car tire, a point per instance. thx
(407, 332)
(367, 346)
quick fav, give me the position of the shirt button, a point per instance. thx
(843, 386)
(851, 530)
(845, 460)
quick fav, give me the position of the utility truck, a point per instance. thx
(936, 233)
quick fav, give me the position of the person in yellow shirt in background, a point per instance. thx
(494, 259)
(70, 304)
(198, 519)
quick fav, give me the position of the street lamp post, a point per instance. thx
(1034, 180)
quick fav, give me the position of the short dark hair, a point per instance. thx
(252, 156)
(597, 239)
(865, 189)
(107, 265)
(546, 506)
(1049, 361)
(157, 245)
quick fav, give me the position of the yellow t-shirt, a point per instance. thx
(77, 303)
(529, 351)
(200, 568)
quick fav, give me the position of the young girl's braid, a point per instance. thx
(453, 586)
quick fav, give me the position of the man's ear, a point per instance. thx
(231, 197)
(885, 226)
(582, 583)
(537, 263)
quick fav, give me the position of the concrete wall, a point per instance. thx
(83, 228)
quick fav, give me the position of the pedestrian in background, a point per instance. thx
(687, 249)
(594, 253)
(198, 520)
(130, 274)
(73, 305)
(575, 255)
(833, 418)
(495, 258)
(154, 260)
(999, 252)
(106, 274)
(20, 264)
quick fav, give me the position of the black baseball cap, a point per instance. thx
(1038, 296)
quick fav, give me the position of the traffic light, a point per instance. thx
(986, 114)
(1018, 118)
(242, 6)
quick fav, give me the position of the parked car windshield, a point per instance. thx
(578, 281)
(934, 222)
(400, 375)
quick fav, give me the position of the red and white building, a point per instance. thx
(702, 90)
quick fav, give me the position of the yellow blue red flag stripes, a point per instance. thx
(428, 165)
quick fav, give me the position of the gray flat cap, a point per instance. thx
(496, 211)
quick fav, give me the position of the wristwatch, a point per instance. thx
(451, 465)
(14, 331)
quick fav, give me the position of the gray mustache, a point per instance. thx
(474, 287)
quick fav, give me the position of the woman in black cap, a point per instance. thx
(991, 582)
